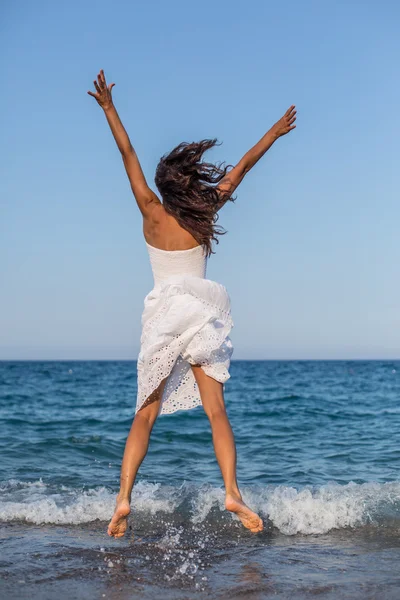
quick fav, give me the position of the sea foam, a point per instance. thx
(310, 510)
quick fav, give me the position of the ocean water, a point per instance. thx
(318, 456)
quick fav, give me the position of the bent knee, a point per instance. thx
(214, 407)
(146, 416)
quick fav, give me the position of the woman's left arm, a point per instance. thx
(234, 177)
(145, 197)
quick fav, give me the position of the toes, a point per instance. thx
(112, 530)
(116, 530)
(259, 527)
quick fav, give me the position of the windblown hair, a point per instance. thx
(188, 190)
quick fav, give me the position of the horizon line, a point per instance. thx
(232, 360)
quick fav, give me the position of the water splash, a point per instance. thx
(310, 510)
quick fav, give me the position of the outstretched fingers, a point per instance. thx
(103, 81)
(103, 92)
(290, 117)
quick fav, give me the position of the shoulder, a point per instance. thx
(156, 213)
(154, 220)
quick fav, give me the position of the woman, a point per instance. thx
(185, 346)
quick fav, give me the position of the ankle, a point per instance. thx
(234, 493)
(123, 496)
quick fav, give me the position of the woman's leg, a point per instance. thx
(136, 447)
(212, 398)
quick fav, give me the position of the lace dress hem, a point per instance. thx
(186, 321)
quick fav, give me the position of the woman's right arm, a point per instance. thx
(145, 197)
(230, 182)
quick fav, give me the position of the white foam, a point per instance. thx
(331, 506)
(75, 506)
(292, 511)
(205, 498)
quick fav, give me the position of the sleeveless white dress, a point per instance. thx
(186, 321)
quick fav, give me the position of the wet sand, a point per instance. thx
(47, 562)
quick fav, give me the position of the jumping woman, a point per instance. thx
(185, 350)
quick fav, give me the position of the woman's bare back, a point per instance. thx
(163, 231)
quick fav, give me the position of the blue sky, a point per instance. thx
(312, 255)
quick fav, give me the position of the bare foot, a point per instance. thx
(119, 522)
(249, 518)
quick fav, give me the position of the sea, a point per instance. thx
(318, 447)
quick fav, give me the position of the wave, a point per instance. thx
(311, 510)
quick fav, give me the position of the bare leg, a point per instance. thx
(136, 448)
(212, 398)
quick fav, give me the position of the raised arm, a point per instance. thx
(145, 197)
(229, 183)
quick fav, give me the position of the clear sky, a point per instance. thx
(312, 255)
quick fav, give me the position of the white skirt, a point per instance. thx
(186, 321)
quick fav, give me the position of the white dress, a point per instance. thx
(186, 321)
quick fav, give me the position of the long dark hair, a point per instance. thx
(188, 190)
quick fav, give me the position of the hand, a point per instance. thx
(103, 94)
(285, 124)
